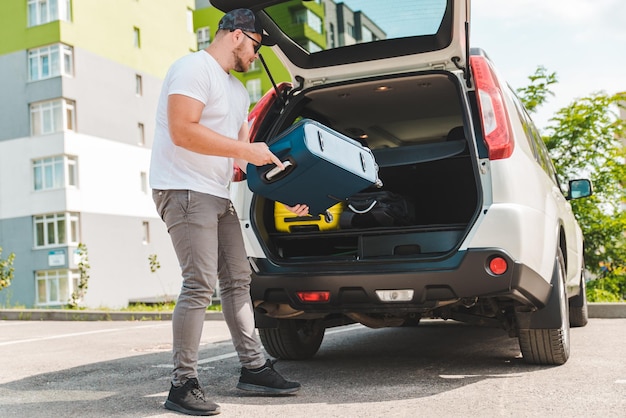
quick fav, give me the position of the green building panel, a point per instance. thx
(301, 32)
(14, 30)
(109, 29)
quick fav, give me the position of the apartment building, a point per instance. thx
(79, 83)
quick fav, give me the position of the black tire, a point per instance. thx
(293, 339)
(552, 345)
(578, 311)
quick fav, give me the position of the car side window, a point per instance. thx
(544, 156)
(540, 151)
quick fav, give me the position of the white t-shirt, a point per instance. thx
(226, 103)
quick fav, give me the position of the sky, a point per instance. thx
(582, 41)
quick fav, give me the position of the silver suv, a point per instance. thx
(492, 238)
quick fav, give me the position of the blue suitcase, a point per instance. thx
(323, 167)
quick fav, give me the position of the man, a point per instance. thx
(201, 129)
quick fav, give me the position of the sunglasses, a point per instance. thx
(257, 44)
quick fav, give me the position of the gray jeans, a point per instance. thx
(207, 239)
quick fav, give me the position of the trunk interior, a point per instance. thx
(414, 124)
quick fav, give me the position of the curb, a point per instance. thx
(606, 310)
(595, 310)
(77, 315)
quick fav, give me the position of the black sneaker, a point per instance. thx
(266, 380)
(190, 399)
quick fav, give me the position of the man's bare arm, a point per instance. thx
(184, 114)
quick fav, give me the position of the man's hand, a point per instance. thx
(259, 154)
(299, 209)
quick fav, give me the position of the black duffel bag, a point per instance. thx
(375, 209)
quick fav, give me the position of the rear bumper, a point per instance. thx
(353, 287)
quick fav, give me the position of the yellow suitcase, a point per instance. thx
(287, 221)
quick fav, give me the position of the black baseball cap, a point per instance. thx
(247, 21)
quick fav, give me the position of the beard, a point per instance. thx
(240, 65)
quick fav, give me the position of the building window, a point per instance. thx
(366, 35)
(44, 11)
(136, 37)
(312, 47)
(305, 16)
(138, 85)
(189, 20)
(143, 179)
(55, 173)
(52, 116)
(350, 30)
(141, 133)
(50, 61)
(55, 287)
(56, 229)
(255, 66)
(204, 37)
(146, 232)
(254, 90)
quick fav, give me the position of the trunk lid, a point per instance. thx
(326, 42)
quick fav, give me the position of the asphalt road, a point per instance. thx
(438, 369)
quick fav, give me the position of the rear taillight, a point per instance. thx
(314, 296)
(262, 108)
(256, 117)
(494, 117)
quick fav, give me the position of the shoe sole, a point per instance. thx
(175, 407)
(249, 387)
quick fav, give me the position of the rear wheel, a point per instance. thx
(578, 313)
(551, 345)
(293, 339)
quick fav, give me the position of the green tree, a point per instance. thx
(583, 141)
(6, 270)
(537, 92)
(83, 281)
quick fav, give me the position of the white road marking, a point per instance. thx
(74, 334)
(465, 376)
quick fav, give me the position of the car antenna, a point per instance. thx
(267, 70)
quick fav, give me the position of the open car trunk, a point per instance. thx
(415, 124)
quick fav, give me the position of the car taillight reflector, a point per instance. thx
(494, 118)
(314, 296)
(498, 266)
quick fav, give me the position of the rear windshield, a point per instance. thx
(321, 25)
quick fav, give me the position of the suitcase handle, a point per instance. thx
(276, 173)
(362, 162)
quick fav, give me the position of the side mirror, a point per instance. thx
(579, 188)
